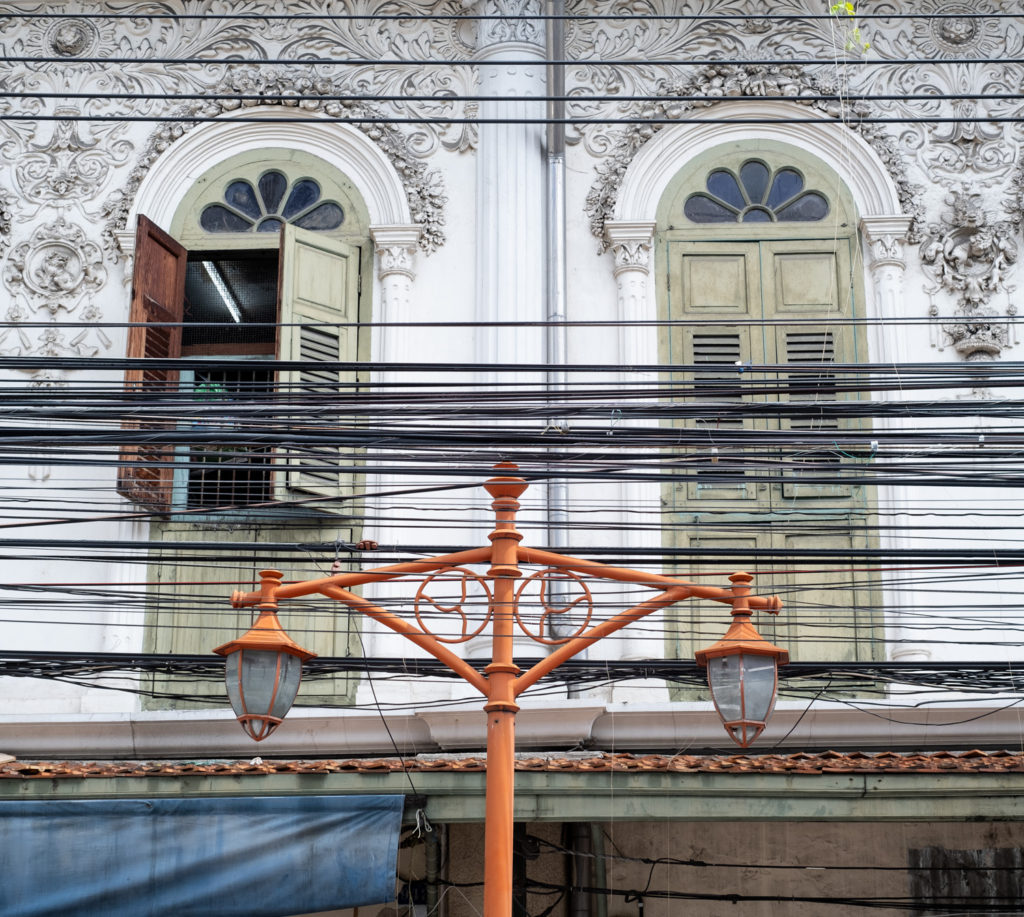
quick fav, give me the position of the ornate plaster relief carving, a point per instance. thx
(70, 164)
(969, 255)
(726, 80)
(6, 211)
(56, 272)
(424, 188)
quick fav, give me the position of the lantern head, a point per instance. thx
(743, 673)
(263, 671)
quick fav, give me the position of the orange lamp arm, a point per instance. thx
(771, 603)
(358, 578)
(400, 626)
(578, 644)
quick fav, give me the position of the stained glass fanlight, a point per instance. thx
(269, 203)
(756, 194)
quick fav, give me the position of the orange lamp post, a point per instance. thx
(262, 665)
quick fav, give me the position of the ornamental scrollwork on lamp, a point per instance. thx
(969, 255)
(461, 624)
(563, 606)
(551, 606)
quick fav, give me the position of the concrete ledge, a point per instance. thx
(569, 724)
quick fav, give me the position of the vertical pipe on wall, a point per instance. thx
(556, 343)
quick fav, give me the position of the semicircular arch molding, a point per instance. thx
(341, 146)
(658, 161)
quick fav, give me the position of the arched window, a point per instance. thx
(762, 291)
(263, 258)
(261, 261)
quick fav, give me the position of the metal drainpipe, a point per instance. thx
(599, 870)
(582, 873)
(433, 868)
(556, 345)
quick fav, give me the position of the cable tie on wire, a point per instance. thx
(616, 416)
(423, 826)
(365, 545)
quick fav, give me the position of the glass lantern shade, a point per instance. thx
(743, 676)
(263, 670)
(262, 685)
(743, 687)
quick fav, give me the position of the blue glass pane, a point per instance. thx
(272, 188)
(271, 224)
(216, 218)
(304, 195)
(722, 184)
(754, 176)
(702, 209)
(323, 218)
(787, 184)
(242, 196)
(757, 215)
(807, 208)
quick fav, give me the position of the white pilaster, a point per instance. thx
(884, 241)
(395, 248)
(631, 245)
(510, 279)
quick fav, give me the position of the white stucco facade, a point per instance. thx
(455, 193)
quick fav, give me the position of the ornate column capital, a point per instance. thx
(508, 22)
(630, 243)
(396, 249)
(886, 237)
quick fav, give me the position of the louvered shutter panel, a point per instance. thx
(146, 472)
(717, 356)
(718, 284)
(319, 304)
(811, 283)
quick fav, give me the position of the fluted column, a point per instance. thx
(395, 248)
(510, 280)
(884, 240)
(631, 245)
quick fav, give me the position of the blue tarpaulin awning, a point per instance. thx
(218, 857)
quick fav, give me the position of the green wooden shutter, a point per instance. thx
(801, 291)
(810, 284)
(318, 309)
(188, 608)
(716, 286)
(146, 472)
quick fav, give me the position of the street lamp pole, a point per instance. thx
(261, 665)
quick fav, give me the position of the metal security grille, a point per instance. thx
(227, 473)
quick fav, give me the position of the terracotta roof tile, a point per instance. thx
(801, 763)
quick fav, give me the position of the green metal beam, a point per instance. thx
(459, 797)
